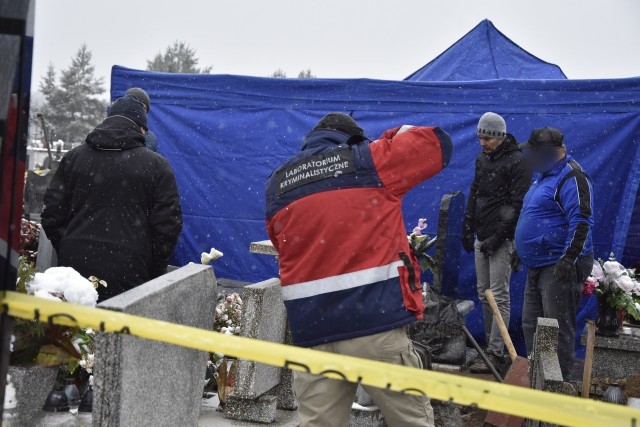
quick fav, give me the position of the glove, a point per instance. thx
(489, 247)
(468, 241)
(515, 262)
(564, 271)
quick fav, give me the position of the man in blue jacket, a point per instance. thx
(553, 239)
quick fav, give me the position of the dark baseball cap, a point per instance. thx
(544, 138)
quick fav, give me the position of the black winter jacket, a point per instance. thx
(112, 209)
(501, 181)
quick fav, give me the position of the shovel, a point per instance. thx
(518, 373)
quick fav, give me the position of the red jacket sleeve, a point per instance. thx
(403, 160)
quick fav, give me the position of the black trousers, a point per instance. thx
(545, 297)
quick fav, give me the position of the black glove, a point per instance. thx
(515, 261)
(564, 271)
(489, 247)
(468, 241)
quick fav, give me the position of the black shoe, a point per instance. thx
(480, 367)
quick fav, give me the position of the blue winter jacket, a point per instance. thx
(556, 217)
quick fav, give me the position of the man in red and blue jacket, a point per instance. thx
(349, 280)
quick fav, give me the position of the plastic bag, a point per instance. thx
(440, 330)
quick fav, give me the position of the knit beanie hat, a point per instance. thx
(340, 122)
(131, 108)
(140, 95)
(492, 125)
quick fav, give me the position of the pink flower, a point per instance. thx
(417, 231)
(589, 286)
(422, 223)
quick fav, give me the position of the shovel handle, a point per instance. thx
(588, 359)
(503, 328)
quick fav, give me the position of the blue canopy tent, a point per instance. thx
(224, 135)
(484, 53)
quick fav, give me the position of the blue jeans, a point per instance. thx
(545, 297)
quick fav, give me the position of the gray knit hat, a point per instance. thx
(492, 125)
(140, 95)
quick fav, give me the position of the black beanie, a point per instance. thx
(140, 95)
(340, 122)
(129, 107)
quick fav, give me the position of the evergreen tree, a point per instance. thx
(72, 105)
(279, 74)
(177, 58)
(306, 74)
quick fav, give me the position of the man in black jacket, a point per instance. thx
(112, 209)
(501, 180)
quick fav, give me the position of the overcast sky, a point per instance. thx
(335, 38)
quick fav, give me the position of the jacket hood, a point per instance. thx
(115, 134)
(323, 137)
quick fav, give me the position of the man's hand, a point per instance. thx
(468, 241)
(564, 270)
(515, 261)
(489, 247)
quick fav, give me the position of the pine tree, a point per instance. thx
(306, 74)
(177, 58)
(72, 105)
(279, 74)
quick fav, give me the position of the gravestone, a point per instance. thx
(616, 358)
(259, 389)
(47, 256)
(545, 370)
(36, 186)
(141, 382)
(447, 257)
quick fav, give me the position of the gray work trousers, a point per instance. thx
(494, 273)
(544, 296)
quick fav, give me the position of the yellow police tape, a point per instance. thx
(508, 399)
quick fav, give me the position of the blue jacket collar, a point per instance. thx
(323, 138)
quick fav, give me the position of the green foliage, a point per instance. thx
(177, 58)
(72, 105)
(26, 271)
(420, 245)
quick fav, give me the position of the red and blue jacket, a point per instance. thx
(334, 214)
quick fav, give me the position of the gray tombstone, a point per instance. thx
(260, 389)
(447, 257)
(34, 190)
(141, 382)
(47, 256)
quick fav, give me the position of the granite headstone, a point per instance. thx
(140, 382)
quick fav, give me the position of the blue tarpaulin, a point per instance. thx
(225, 134)
(484, 53)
